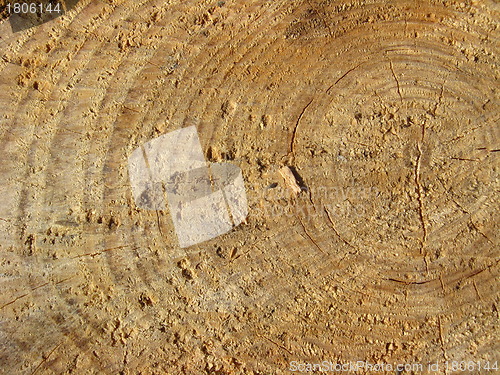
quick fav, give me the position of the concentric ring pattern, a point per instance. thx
(387, 111)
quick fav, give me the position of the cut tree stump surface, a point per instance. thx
(387, 112)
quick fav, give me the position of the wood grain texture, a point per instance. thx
(387, 110)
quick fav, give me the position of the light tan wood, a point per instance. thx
(387, 110)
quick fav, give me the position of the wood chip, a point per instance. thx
(290, 179)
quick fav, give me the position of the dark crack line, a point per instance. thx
(480, 231)
(439, 101)
(33, 289)
(477, 290)
(451, 198)
(423, 240)
(14, 300)
(410, 282)
(294, 135)
(100, 252)
(159, 224)
(44, 359)
(464, 159)
(310, 238)
(275, 343)
(342, 77)
(397, 82)
(335, 229)
(487, 149)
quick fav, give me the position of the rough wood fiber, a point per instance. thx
(387, 110)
